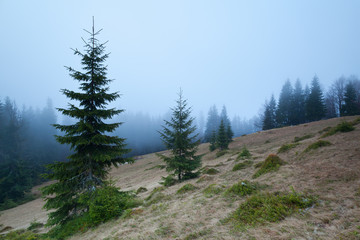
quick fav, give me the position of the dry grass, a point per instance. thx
(331, 173)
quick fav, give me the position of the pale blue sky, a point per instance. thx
(235, 53)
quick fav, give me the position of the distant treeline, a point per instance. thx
(297, 105)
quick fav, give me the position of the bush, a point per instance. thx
(341, 127)
(242, 188)
(210, 171)
(20, 235)
(213, 189)
(298, 139)
(242, 165)
(245, 153)
(141, 190)
(168, 181)
(108, 202)
(186, 188)
(269, 207)
(287, 147)
(318, 144)
(272, 163)
(190, 175)
(221, 153)
(34, 225)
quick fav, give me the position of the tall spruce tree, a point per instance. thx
(283, 111)
(179, 136)
(297, 108)
(94, 152)
(212, 124)
(269, 120)
(350, 106)
(315, 106)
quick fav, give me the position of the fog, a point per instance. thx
(232, 53)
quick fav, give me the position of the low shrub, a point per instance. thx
(141, 190)
(318, 144)
(287, 147)
(186, 188)
(269, 207)
(213, 189)
(298, 139)
(190, 175)
(35, 225)
(168, 181)
(221, 153)
(21, 235)
(245, 154)
(272, 163)
(242, 165)
(341, 127)
(210, 171)
(242, 188)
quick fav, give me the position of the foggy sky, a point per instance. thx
(235, 53)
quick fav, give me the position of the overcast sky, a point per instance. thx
(235, 53)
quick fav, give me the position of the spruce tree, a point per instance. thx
(94, 152)
(212, 145)
(222, 138)
(315, 105)
(212, 123)
(284, 106)
(179, 136)
(269, 120)
(350, 106)
(297, 107)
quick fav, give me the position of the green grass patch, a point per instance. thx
(271, 164)
(213, 189)
(197, 235)
(168, 181)
(242, 165)
(244, 154)
(242, 188)
(221, 153)
(318, 144)
(210, 171)
(341, 127)
(268, 207)
(186, 188)
(141, 190)
(298, 139)
(287, 147)
(21, 235)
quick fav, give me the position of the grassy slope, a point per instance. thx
(332, 173)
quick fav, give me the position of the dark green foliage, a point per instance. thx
(283, 111)
(318, 144)
(245, 154)
(168, 181)
(21, 235)
(221, 153)
(341, 127)
(351, 106)
(213, 189)
(269, 120)
(272, 163)
(179, 136)
(269, 207)
(212, 145)
(242, 165)
(315, 106)
(35, 225)
(210, 171)
(222, 140)
(298, 139)
(94, 152)
(287, 147)
(186, 188)
(297, 109)
(242, 188)
(141, 190)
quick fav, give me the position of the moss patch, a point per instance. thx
(269, 207)
(245, 154)
(271, 164)
(318, 144)
(213, 189)
(210, 171)
(298, 139)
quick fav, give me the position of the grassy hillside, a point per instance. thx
(308, 188)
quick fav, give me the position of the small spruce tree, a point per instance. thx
(212, 146)
(94, 152)
(179, 136)
(222, 140)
